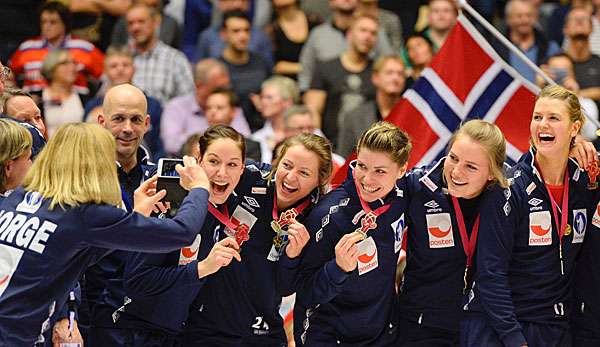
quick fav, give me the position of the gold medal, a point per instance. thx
(276, 228)
(568, 230)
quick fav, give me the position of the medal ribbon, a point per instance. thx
(288, 216)
(564, 213)
(468, 243)
(240, 232)
(564, 206)
(368, 220)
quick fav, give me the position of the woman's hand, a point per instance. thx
(346, 251)
(146, 199)
(298, 238)
(192, 175)
(220, 255)
(584, 152)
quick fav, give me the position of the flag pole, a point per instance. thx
(514, 49)
(504, 40)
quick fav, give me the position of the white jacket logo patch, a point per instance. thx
(579, 225)
(439, 228)
(540, 228)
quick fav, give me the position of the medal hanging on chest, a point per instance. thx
(239, 231)
(369, 220)
(562, 224)
(280, 223)
(469, 243)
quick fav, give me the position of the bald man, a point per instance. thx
(124, 115)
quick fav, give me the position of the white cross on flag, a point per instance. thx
(466, 80)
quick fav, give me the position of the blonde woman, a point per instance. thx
(15, 155)
(67, 217)
(530, 236)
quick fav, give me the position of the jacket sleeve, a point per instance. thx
(110, 227)
(499, 220)
(150, 275)
(320, 279)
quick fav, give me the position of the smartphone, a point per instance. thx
(168, 179)
(560, 74)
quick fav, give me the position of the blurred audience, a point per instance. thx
(55, 23)
(246, 69)
(60, 103)
(186, 115)
(277, 94)
(211, 43)
(343, 83)
(290, 30)
(161, 71)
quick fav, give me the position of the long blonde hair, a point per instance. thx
(77, 166)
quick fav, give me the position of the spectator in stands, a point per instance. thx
(169, 31)
(211, 43)
(19, 23)
(186, 115)
(277, 94)
(18, 104)
(328, 40)
(60, 103)
(441, 18)
(560, 69)
(55, 22)
(221, 108)
(521, 16)
(419, 51)
(161, 71)
(342, 84)
(299, 119)
(578, 27)
(246, 69)
(200, 14)
(119, 69)
(388, 21)
(388, 79)
(290, 30)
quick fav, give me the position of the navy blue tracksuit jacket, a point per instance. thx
(349, 309)
(45, 252)
(518, 278)
(432, 289)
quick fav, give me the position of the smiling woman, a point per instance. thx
(517, 301)
(443, 211)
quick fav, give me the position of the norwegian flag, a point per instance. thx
(467, 79)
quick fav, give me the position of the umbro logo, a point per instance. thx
(251, 201)
(535, 201)
(432, 204)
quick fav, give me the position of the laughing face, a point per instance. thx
(224, 164)
(551, 129)
(467, 168)
(296, 176)
(376, 174)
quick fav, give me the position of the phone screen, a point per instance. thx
(168, 167)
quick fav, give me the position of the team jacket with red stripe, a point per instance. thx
(432, 289)
(355, 308)
(518, 276)
(44, 252)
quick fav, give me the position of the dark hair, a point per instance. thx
(387, 138)
(421, 35)
(217, 132)
(63, 12)
(233, 99)
(235, 14)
